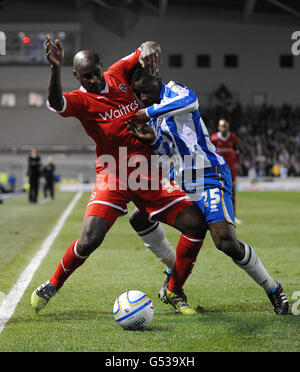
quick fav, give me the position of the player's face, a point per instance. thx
(223, 126)
(90, 77)
(147, 90)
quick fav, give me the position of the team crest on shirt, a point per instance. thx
(123, 87)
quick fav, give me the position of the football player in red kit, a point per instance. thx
(226, 143)
(103, 104)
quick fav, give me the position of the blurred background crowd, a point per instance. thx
(269, 137)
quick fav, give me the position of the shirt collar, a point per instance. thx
(105, 90)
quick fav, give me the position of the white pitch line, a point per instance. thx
(9, 304)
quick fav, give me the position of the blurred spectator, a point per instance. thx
(276, 170)
(269, 137)
(34, 173)
(48, 173)
(3, 181)
(12, 182)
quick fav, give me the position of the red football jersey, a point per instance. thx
(103, 115)
(227, 147)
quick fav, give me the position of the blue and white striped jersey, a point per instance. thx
(179, 127)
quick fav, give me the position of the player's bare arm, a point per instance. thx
(55, 57)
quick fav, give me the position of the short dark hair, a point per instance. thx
(139, 73)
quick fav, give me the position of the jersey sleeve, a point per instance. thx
(182, 100)
(72, 107)
(126, 64)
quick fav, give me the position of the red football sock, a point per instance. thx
(186, 255)
(68, 264)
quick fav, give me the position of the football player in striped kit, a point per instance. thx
(172, 125)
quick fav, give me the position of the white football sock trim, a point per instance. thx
(76, 252)
(144, 232)
(192, 239)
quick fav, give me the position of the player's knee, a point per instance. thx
(228, 245)
(93, 232)
(193, 227)
(88, 243)
(90, 239)
(139, 221)
(191, 222)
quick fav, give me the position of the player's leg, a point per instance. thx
(218, 209)
(154, 237)
(153, 234)
(93, 232)
(224, 237)
(170, 205)
(193, 227)
(191, 223)
(98, 219)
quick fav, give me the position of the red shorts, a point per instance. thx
(161, 205)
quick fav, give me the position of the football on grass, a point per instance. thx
(133, 310)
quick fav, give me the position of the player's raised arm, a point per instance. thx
(55, 58)
(150, 57)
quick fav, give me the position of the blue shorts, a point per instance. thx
(212, 193)
(216, 202)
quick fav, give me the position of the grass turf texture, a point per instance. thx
(237, 316)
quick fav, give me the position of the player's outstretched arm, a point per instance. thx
(55, 57)
(185, 100)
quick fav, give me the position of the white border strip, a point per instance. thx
(167, 206)
(9, 304)
(124, 211)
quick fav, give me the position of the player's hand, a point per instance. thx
(141, 116)
(142, 131)
(150, 57)
(54, 52)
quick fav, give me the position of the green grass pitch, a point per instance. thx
(237, 316)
